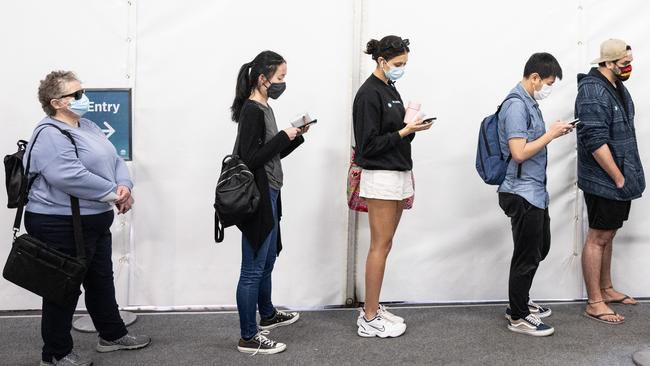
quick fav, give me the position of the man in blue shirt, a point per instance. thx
(609, 170)
(522, 195)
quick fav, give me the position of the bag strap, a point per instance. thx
(218, 228)
(235, 149)
(528, 124)
(23, 199)
(517, 96)
(74, 201)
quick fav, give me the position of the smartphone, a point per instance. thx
(430, 120)
(301, 121)
(575, 122)
(308, 123)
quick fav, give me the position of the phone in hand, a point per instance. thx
(575, 122)
(303, 120)
(429, 120)
(308, 123)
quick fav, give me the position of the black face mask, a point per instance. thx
(276, 89)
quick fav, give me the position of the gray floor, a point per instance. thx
(467, 335)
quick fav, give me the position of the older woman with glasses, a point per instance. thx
(99, 178)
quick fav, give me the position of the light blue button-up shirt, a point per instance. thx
(513, 123)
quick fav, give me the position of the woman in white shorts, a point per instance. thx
(383, 150)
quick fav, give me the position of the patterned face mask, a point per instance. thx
(624, 72)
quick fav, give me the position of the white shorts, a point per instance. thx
(386, 184)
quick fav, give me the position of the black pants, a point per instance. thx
(56, 323)
(531, 234)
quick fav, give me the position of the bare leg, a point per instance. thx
(606, 265)
(592, 262)
(384, 216)
(608, 291)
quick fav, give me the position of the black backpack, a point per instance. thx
(15, 177)
(236, 197)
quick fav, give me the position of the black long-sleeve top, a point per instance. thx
(377, 116)
(255, 153)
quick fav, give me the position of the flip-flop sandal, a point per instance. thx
(599, 318)
(621, 301)
(618, 301)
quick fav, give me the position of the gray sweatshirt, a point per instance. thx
(92, 177)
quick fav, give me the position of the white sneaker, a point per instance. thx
(379, 327)
(384, 313)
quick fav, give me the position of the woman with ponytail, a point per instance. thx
(383, 150)
(261, 147)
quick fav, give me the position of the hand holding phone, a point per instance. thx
(430, 120)
(308, 123)
(303, 120)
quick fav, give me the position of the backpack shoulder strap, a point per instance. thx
(517, 96)
(74, 201)
(528, 124)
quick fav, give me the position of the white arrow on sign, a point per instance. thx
(109, 131)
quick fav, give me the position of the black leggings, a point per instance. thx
(56, 231)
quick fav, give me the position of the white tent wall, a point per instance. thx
(188, 59)
(182, 60)
(456, 244)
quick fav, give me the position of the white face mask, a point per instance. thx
(543, 93)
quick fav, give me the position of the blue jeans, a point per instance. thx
(254, 287)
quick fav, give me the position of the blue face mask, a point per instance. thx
(81, 106)
(394, 72)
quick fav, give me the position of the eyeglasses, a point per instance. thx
(77, 95)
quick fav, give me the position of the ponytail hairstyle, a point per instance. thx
(388, 48)
(266, 63)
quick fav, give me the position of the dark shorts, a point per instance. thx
(606, 214)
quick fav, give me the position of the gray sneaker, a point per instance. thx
(71, 359)
(126, 342)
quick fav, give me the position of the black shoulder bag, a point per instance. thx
(236, 196)
(35, 266)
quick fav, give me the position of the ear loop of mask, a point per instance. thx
(387, 64)
(615, 66)
(60, 101)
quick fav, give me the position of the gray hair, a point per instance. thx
(52, 87)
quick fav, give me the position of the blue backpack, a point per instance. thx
(490, 163)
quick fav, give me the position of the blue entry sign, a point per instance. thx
(110, 109)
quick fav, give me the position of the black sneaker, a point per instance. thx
(260, 344)
(279, 319)
(531, 325)
(533, 308)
